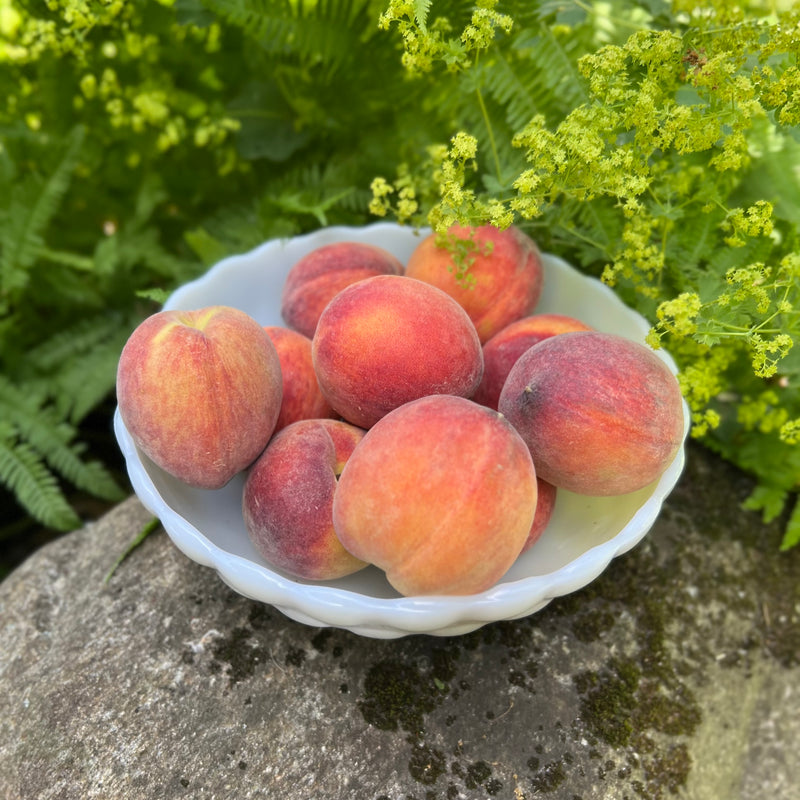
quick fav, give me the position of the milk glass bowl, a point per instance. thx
(584, 534)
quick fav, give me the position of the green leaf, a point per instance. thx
(33, 205)
(155, 294)
(49, 439)
(421, 9)
(23, 472)
(769, 500)
(791, 536)
(140, 537)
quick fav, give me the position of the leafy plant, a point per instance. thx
(653, 144)
(140, 142)
(660, 154)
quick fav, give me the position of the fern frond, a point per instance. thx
(309, 190)
(311, 30)
(727, 258)
(421, 10)
(236, 229)
(48, 439)
(34, 204)
(77, 365)
(87, 379)
(693, 241)
(586, 233)
(24, 473)
(76, 340)
(63, 258)
(538, 76)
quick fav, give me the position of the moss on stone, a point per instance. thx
(427, 764)
(608, 699)
(549, 777)
(238, 654)
(397, 695)
(476, 774)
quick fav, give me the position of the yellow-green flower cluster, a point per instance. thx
(762, 412)
(118, 69)
(406, 207)
(703, 379)
(425, 44)
(25, 37)
(751, 222)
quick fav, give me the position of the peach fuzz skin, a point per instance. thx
(200, 392)
(389, 339)
(302, 397)
(507, 279)
(315, 279)
(440, 494)
(288, 495)
(501, 352)
(545, 505)
(601, 415)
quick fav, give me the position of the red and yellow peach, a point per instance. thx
(302, 397)
(200, 392)
(316, 278)
(441, 494)
(390, 339)
(501, 352)
(503, 281)
(601, 414)
(288, 499)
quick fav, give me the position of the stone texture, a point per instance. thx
(674, 674)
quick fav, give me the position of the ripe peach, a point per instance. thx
(507, 272)
(287, 500)
(440, 494)
(302, 397)
(317, 277)
(200, 392)
(601, 414)
(545, 505)
(390, 339)
(501, 352)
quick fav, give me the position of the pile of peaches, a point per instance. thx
(407, 416)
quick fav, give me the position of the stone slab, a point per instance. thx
(676, 674)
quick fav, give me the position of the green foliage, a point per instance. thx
(142, 141)
(655, 146)
(651, 143)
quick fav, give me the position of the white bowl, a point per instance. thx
(585, 533)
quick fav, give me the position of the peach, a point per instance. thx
(316, 278)
(546, 495)
(200, 392)
(288, 495)
(440, 494)
(503, 282)
(601, 414)
(501, 352)
(389, 339)
(302, 397)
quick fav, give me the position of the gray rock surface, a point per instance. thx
(674, 674)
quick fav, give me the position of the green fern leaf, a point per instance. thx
(87, 379)
(791, 536)
(44, 435)
(769, 500)
(78, 339)
(33, 205)
(421, 10)
(540, 76)
(693, 240)
(23, 472)
(311, 30)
